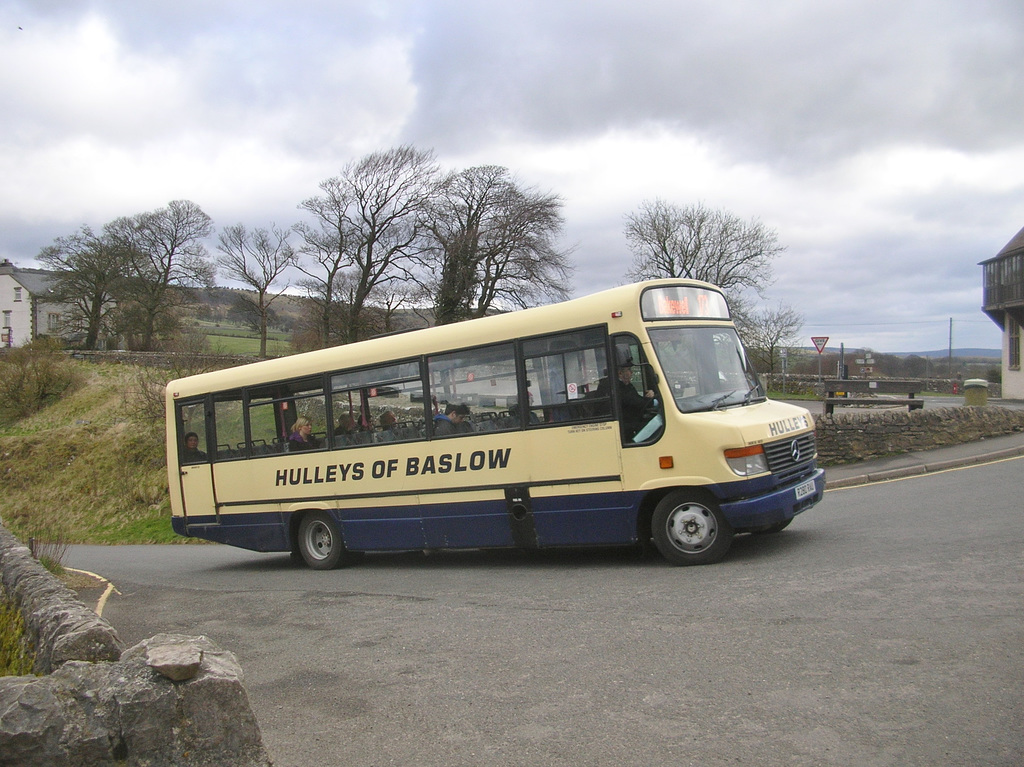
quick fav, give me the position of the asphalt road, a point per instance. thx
(884, 627)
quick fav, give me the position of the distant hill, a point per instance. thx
(980, 354)
(994, 354)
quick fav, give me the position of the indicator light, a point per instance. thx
(745, 461)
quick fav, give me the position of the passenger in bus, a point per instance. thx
(453, 420)
(192, 453)
(302, 437)
(465, 423)
(344, 433)
(387, 422)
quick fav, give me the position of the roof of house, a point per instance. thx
(1015, 244)
(35, 281)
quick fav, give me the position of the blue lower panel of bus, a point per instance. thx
(605, 518)
(592, 519)
(466, 525)
(258, 532)
(586, 520)
(367, 528)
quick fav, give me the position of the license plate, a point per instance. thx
(805, 489)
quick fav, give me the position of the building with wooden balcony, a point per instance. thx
(1004, 303)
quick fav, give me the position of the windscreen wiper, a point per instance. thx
(750, 393)
(723, 398)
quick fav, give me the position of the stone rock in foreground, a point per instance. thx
(132, 712)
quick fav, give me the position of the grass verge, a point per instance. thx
(84, 471)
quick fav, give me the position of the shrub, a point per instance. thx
(50, 551)
(33, 377)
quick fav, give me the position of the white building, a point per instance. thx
(1004, 303)
(25, 311)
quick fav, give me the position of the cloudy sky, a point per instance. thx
(883, 140)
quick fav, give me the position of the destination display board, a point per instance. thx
(679, 302)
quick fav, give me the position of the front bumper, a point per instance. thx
(775, 506)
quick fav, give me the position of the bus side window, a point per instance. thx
(229, 427)
(379, 404)
(273, 410)
(482, 380)
(264, 420)
(564, 374)
(192, 445)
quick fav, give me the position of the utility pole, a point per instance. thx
(949, 372)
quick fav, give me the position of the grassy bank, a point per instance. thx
(87, 469)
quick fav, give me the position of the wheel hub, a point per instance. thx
(692, 527)
(320, 541)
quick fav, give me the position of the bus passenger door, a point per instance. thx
(195, 472)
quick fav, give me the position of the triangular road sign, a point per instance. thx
(819, 343)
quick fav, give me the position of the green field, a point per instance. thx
(236, 339)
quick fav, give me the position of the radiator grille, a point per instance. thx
(789, 458)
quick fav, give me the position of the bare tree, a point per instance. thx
(767, 331)
(699, 243)
(165, 253)
(491, 243)
(88, 271)
(257, 259)
(366, 229)
(325, 243)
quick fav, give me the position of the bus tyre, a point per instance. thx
(320, 542)
(690, 530)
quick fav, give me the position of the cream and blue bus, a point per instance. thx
(628, 417)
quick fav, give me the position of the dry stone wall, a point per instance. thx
(169, 700)
(852, 436)
(59, 626)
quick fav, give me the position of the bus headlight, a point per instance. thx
(747, 461)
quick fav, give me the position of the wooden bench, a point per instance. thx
(908, 388)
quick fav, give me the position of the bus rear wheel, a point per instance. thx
(690, 530)
(320, 542)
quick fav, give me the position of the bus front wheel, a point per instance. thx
(320, 542)
(690, 530)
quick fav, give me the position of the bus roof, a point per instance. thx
(592, 309)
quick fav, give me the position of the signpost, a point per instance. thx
(819, 344)
(784, 353)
